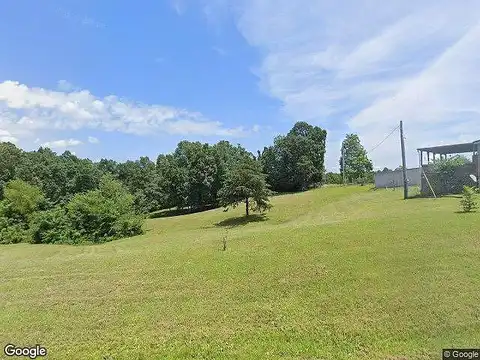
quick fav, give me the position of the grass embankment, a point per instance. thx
(334, 273)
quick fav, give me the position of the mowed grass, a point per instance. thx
(334, 273)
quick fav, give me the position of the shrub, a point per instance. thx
(12, 233)
(361, 181)
(333, 178)
(22, 199)
(444, 180)
(104, 214)
(96, 216)
(369, 178)
(468, 202)
(128, 225)
(53, 226)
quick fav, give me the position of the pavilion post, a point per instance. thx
(477, 146)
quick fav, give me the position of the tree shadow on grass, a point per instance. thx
(178, 212)
(241, 220)
(419, 196)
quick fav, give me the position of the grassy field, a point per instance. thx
(334, 273)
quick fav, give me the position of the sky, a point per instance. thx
(135, 78)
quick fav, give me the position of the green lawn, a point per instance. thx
(334, 273)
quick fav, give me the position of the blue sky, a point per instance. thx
(135, 78)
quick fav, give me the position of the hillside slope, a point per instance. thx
(334, 273)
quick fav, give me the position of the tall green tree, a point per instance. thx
(296, 161)
(192, 170)
(245, 182)
(107, 166)
(226, 157)
(21, 200)
(172, 181)
(10, 156)
(357, 164)
(142, 180)
(59, 177)
(201, 168)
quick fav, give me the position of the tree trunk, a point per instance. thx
(246, 206)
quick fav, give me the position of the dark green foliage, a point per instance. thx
(198, 169)
(468, 201)
(173, 182)
(104, 214)
(226, 157)
(448, 176)
(95, 216)
(194, 174)
(245, 182)
(296, 161)
(12, 232)
(358, 168)
(368, 178)
(107, 166)
(446, 168)
(51, 198)
(59, 177)
(53, 226)
(10, 156)
(333, 178)
(141, 179)
(21, 200)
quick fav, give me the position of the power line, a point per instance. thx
(381, 142)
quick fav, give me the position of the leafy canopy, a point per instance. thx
(106, 213)
(245, 182)
(357, 165)
(48, 197)
(296, 161)
(22, 199)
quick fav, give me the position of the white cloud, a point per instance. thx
(5, 136)
(61, 144)
(64, 85)
(93, 140)
(364, 65)
(24, 111)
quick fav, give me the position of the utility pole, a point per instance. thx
(404, 163)
(343, 163)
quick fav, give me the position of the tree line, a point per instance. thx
(356, 167)
(51, 198)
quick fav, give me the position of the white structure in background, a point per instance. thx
(395, 178)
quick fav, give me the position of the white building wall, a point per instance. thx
(395, 178)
